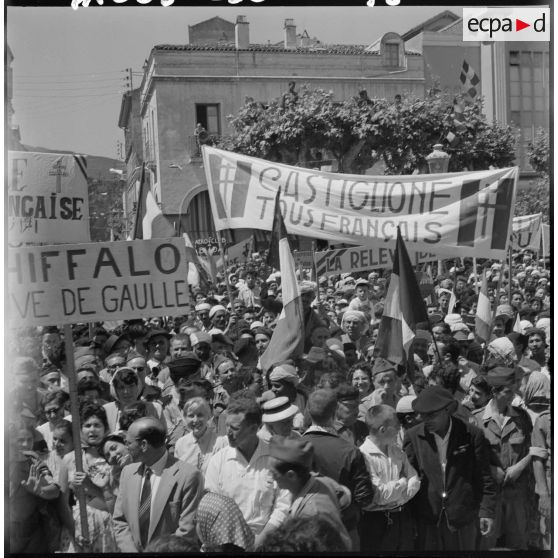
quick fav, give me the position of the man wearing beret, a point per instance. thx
(457, 493)
(508, 431)
(312, 494)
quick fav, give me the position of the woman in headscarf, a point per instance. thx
(536, 394)
(501, 351)
(220, 525)
(355, 325)
(126, 387)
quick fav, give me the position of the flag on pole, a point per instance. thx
(483, 317)
(457, 122)
(287, 340)
(198, 275)
(404, 308)
(469, 81)
(273, 254)
(517, 324)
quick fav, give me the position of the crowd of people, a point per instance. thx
(188, 445)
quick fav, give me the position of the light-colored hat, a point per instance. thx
(278, 409)
(285, 372)
(307, 287)
(404, 405)
(215, 309)
(200, 337)
(315, 355)
(256, 324)
(203, 306)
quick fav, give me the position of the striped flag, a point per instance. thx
(469, 81)
(483, 318)
(154, 223)
(404, 308)
(287, 340)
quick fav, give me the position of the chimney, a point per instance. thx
(290, 33)
(242, 32)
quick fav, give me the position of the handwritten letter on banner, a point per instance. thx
(95, 282)
(526, 232)
(47, 198)
(454, 214)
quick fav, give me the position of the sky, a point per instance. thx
(69, 65)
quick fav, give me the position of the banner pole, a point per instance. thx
(76, 432)
(222, 252)
(475, 278)
(315, 271)
(510, 275)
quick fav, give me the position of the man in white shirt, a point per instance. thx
(386, 524)
(242, 471)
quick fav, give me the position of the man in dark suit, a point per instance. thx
(457, 493)
(158, 494)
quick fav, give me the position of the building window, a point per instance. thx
(208, 117)
(528, 97)
(391, 54)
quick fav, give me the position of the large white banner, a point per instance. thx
(47, 198)
(453, 214)
(363, 258)
(68, 283)
(526, 232)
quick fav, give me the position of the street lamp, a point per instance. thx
(438, 160)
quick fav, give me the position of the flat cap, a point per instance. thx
(156, 332)
(186, 367)
(432, 399)
(382, 365)
(362, 283)
(288, 450)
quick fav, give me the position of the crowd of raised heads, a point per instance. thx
(187, 444)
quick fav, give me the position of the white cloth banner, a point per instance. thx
(526, 232)
(363, 258)
(454, 214)
(47, 198)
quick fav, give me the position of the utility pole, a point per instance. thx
(129, 79)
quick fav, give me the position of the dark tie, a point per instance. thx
(145, 506)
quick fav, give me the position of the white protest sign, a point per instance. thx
(526, 232)
(453, 214)
(362, 258)
(47, 198)
(51, 285)
(241, 251)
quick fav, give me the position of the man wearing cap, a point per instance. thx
(312, 494)
(338, 459)
(277, 419)
(361, 301)
(248, 291)
(385, 381)
(457, 494)
(157, 342)
(201, 346)
(508, 431)
(202, 316)
(346, 422)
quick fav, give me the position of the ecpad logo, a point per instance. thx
(506, 24)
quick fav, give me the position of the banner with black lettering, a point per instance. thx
(362, 258)
(69, 283)
(526, 232)
(453, 214)
(47, 198)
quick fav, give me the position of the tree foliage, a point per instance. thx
(539, 152)
(360, 134)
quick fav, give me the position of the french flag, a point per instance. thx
(287, 340)
(483, 317)
(404, 308)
